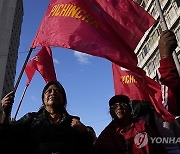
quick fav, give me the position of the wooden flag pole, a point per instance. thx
(22, 70)
(22, 97)
(166, 28)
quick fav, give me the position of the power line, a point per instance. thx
(97, 121)
(22, 52)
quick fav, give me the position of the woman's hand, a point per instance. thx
(7, 103)
(167, 43)
(76, 124)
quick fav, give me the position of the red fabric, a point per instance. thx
(123, 15)
(170, 78)
(43, 63)
(30, 70)
(112, 140)
(169, 73)
(140, 88)
(109, 29)
(125, 83)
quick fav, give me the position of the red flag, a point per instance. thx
(125, 83)
(43, 63)
(30, 70)
(138, 87)
(109, 29)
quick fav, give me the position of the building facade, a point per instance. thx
(147, 49)
(11, 15)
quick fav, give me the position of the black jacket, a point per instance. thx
(35, 133)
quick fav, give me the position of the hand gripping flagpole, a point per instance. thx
(23, 68)
(166, 28)
(20, 102)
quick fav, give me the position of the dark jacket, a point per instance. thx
(35, 133)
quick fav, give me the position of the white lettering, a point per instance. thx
(171, 139)
(178, 140)
(152, 139)
(165, 140)
(158, 140)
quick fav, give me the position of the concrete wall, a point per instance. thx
(10, 27)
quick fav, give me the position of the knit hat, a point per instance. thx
(119, 98)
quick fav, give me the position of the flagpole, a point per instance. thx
(22, 70)
(166, 28)
(22, 97)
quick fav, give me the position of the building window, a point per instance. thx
(161, 0)
(156, 60)
(142, 55)
(167, 20)
(147, 69)
(150, 67)
(171, 16)
(140, 58)
(154, 11)
(145, 1)
(159, 28)
(177, 3)
(153, 38)
(143, 4)
(144, 52)
(172, 13)
(155, 35)
(151, 42)
(177, 33)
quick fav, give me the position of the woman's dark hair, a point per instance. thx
(60, 87)
(142, 108)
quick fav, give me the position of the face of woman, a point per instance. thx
(53, 96)
(121, 110)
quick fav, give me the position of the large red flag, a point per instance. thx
(109, 29)
(138, 87)
(43, 63)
